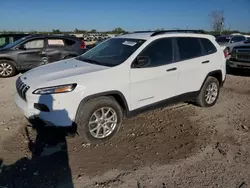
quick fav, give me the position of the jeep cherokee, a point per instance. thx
(122, 77)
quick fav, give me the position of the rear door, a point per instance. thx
(54, 49)
(31, 53)
(193, 64)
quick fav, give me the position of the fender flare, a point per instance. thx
(121, 100)
(212, 73)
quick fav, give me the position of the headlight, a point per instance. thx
(55, 89)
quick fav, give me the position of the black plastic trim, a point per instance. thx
(211, 74)
(41, 107)
(108, 93)
(177, 31)
(187, 97)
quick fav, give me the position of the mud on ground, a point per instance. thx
(183, 146)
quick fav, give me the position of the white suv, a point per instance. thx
(122, 77)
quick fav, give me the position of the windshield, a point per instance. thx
(10, 45)
(223, 39)
(112, 52)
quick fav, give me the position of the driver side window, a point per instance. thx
(159, 52)
(34, 44)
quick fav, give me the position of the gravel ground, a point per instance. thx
(183, 146)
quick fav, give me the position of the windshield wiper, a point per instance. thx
(92, 61)
(89, 60)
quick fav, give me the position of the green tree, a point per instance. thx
(118, 30)
(56, 31)
(93, 31)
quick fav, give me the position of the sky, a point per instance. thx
(131, 15)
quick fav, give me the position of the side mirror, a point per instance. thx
(142, 61)
(22, 47)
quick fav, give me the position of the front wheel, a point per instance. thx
(99, 119)
(209, 93)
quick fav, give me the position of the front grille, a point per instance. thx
(243, 57)
(21, 88)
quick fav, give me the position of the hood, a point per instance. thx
(59, 70)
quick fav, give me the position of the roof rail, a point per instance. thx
(142, 31)
(176, 31)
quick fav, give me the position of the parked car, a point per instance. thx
(121, 77)
(240, 57)
(35, 50)
(248, 37)
(6, 39)
(228, 42)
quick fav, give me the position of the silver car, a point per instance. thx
(228, 42)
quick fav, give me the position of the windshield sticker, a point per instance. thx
(129, 43)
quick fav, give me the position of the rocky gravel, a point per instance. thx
(182, 146)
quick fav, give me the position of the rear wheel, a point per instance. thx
(7, 68)
(98, 120)
(209, 93)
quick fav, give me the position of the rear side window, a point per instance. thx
(69, 42)
(160, 52)
(208, 46)
(55, 42)
(189, 48)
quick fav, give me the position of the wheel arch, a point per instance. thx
(10, 59)
(216, 74)
(117, 95)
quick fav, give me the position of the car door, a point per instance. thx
(31, 53)
(193, 65)
(54, 49)
(157, 80)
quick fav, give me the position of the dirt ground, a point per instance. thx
(183, 146)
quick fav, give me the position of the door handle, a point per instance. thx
(204, 62)
(172, 69)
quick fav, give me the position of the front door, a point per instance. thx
(31, 54)
(157, 80)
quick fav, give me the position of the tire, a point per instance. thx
(85, 114)
(202, 100)
(7, 69)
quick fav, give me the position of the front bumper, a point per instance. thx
(240, 65)
(55, 117)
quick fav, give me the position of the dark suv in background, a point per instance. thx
(35, 50)
(6, 39)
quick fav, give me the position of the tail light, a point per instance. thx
(82, 45)
(226, 52)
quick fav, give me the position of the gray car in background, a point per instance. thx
(228, 42)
